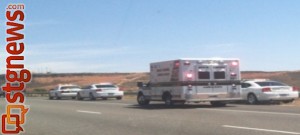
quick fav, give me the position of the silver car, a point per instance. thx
(254, 91)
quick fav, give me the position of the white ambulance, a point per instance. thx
(216, 80)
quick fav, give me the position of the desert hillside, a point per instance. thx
(127, 81)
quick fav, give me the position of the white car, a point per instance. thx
(254, 91)
(63, 91)
(100, 90)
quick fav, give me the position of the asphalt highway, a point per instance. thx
(125, 117)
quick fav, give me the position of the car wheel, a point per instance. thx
(251, 99)
(104, 98)
(168, 100)
(118, 98)
(50, 97)
(79, 97)
(92, 96)
(217, 104)
(57, 97)
(141, 99)
(288, 101)
(73, 97)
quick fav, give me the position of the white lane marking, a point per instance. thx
(260, 129)
(82, 111)
(260, 112)
(288, 105)
(92, 102)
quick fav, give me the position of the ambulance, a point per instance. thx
(192, 80)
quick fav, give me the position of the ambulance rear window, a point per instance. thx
(219, 75)
(203, 75)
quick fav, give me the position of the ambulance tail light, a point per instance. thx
(266, 89)
(232, 74)
(234, 63)
(189, 75)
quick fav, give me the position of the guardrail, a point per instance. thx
(46, 94)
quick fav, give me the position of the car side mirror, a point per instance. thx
(140, 84)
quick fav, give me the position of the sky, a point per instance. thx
(72, 36)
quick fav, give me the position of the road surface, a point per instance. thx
(112, 117)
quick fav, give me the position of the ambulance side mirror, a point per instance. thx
(140, 84)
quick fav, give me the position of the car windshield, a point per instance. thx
(70, 87)
(106, 86)
(262, 84)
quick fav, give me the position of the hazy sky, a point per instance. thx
(126, 35)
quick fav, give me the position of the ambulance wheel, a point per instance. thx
(141, 99)
(217, 104)
(251, 99)
(168, 99)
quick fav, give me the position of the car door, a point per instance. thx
(245, 89)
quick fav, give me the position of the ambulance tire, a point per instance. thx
(217, 104)
(141, 99)
(167, 97)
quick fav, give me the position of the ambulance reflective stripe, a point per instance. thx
(194, 83)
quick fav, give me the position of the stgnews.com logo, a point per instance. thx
(14, 117)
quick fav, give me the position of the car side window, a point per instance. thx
(245, 85)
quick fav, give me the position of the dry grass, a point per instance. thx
(126, 81)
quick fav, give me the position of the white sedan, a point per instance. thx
(100, 90)
(63, 91)
(254, 91)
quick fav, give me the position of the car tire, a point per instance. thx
(168, 100)
(118, 98)
(104, 98)
(79, 97)
(288, 101)
(73, 97)
(57, 97)
(92, 96)
(141, 99)
(50, 97)
(251, 99)
(217, 104)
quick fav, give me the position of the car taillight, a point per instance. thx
(295, 88)
(121, 89)
(97, 90)
(266, 90)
